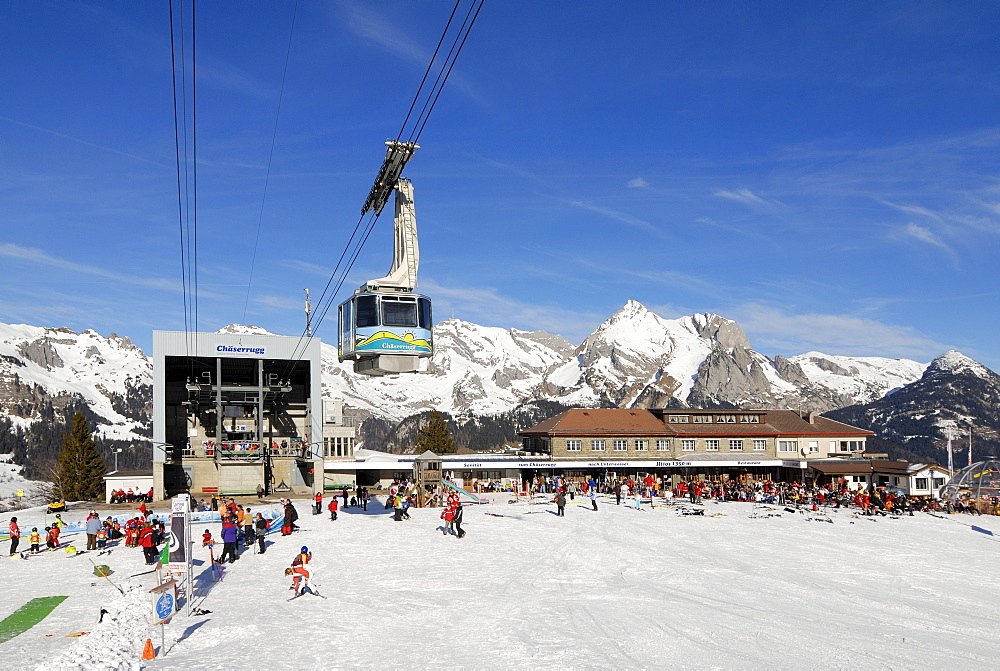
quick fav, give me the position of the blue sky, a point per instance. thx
(825, 173)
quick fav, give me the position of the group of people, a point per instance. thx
(131, 496)
(452, 515)
(35, 537)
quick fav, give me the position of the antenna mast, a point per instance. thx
(309, 312)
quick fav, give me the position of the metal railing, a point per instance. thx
(246, 450)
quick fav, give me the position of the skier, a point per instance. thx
(93, 525)
(52, 537)
(319, 503)
(260, 526)
(289, 522)
(560, 502)
(333, 509)
(15, 536)
(404, 508)
(593, 497)
(229, 532)
(35, 539)
(448, 515)
(58, 522)
(206, 539)
(458, 521)
(148, 543)
(248, 535)
(298, 570)
(397, 508)
(102, 537)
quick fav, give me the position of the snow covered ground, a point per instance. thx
(11, 481)
(613, 588)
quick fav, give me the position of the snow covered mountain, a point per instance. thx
(634, 359)
(44, 370)
(954, 396)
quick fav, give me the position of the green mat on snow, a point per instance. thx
(27, 616)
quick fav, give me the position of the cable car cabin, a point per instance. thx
(385, 333)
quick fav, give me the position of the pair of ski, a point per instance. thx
(83, 552)
(304, 592)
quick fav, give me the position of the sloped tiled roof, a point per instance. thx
(580, 421)
(623, 421)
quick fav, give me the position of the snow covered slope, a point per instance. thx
(612, 589)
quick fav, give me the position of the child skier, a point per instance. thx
(206, 539)
(298, 570)
(52, 537)
(333, 509)
(35, 539)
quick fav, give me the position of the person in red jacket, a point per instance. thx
(148, 543)
(448, 515)
(318, 499)
(15, 535)
(333, 509)
(52, 538)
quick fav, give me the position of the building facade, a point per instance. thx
(234, 411)
(681, 444)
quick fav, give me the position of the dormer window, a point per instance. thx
(725, 419)
(678, 419)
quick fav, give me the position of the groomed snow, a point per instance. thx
(614, 588)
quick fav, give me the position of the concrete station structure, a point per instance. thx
(234, 411)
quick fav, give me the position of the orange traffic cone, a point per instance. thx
(148, 652)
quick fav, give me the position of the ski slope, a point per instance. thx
(613, 588)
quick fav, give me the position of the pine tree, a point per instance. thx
(434, 436)
(80, 476)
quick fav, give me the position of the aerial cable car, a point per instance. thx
(385, 327)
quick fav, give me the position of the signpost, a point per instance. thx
(180, 546)
(163, 599)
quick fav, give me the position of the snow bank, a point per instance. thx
(115, 643)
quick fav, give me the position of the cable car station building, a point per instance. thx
(683, 444)
(234, 411)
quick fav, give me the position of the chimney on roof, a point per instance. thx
(811, 417)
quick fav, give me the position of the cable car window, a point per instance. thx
(425, 313)
(345, 318)
(367, 311)
(398, 313)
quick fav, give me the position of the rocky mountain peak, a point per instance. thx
(724, 331)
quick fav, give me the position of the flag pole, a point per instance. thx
(951, 458)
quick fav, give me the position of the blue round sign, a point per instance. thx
(164, 605)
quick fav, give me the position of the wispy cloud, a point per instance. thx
(924, 234)
(748, 198)
(637, 183)
(37, 257)
(88, 143)
(849, 335)
(915, 210)
(376, 29)
(623, 217)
